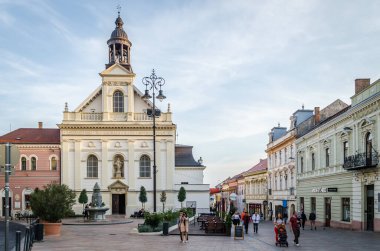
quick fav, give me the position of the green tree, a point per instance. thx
(142, 197)
(182, 195)
(163, 200)
(83, 199)
(53, 203)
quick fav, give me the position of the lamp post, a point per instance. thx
(154, 83)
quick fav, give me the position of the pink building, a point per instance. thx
(39, 164)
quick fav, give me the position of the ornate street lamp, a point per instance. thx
(154, 83)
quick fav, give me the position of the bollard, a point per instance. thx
(18, 240)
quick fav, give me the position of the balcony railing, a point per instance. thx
(361, 160)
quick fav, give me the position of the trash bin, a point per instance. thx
(165, 228)
(39, 232)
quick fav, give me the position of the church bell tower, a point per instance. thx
(119, 47)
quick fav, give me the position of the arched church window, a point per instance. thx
(92, 166)
(144, 166)
(118, 101)
(33, 163)
(118, 164)
(53, 164)
(23, 164)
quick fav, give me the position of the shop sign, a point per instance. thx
(332, 189)
(319, 190)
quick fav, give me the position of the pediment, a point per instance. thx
(116, 70)
(97, 93)
(118, 185)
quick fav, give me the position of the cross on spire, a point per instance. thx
(118, 7)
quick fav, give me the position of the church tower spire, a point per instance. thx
(119, 47)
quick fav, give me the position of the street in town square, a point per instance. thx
(123, 237)
(134, 125)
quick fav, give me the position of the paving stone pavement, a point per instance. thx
(120, 237)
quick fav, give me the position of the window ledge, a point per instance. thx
(91, 178)
(144, 178)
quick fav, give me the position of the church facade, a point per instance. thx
(108, 139)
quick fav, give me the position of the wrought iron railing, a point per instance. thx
(361, 160)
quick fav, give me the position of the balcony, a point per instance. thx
(361, 161)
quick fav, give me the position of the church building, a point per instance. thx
(108, 139)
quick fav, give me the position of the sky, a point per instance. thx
(233, 69)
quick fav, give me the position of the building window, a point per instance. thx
(23, 164)
(144, 166)
(291, 151)
(312, 161)
(327, 157)
(92, 166)
(280, 158)
(286, 181)
(280, 182)
(301, 164)
(33, 163)
(368, 149)
(345, 150)
(118, 101)
(27, 201)
(345, 209)
(302, 203)
(53, 164)
(285, 156)
(313, 204)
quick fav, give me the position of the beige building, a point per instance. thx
(337, 161)
(281, 166)
(256, 193)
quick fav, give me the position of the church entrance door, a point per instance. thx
(118, 203)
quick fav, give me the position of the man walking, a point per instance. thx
(304, 219)
(246, 221)
(295, 228)
(256, 221)
(312, 218)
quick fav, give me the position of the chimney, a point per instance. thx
(317, 115)
(40, 125)
(361, 84)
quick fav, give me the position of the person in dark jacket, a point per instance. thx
(246, 220)
(312, 218)
(304, 219)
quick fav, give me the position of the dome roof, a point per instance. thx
(119, 32)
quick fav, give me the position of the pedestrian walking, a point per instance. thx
(246, 220)
(295, 228)
(179, 226)
(236, 219)
(304, 219)
(184, 227)
(86, 212)
(312, 218)
(256, 221)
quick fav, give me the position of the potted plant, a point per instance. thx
(51, 205)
